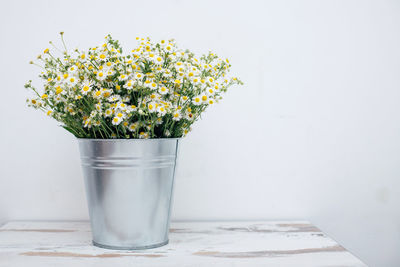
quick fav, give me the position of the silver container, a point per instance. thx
(129, 185)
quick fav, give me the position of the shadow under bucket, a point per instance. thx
(129, 185)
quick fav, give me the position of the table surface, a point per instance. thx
(284, 243)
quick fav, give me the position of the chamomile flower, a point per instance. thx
(72, 70)
(143, 135)
(123, 77)
(120, 115)
(116, 120)
(152, 107)
(106, 92)
(138, 76)
(163, 90)
(153, 85)
(129, 84)
(176, 116)
(86, 88)
(108, 112)
(101, 75)
(114, 98)
(159, 60)
(197, 100)
(133, 126)
(161, 110)
(72, 80)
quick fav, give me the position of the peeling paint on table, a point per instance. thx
(191, 244)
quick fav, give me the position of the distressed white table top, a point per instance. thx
(191, 244)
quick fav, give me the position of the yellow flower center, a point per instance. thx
(58, 90)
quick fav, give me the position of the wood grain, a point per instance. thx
(191, 244)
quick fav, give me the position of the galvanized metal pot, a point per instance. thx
(129, 185)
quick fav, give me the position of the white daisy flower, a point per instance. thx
(86, 87)
(195, 80)
(114, 98)
(167, 73)
(153, 85)
(123, 77)
(176, 116)
(133, 126)
(138, 76)
(98, 107)
(161, 110)
(197, 100)
(97, 94)
(129, 84)
(101, 75)
(158, 60)
(110, 72)
(132, 108)
(143, 135)
(120, 115)
(163, 90)
(210, 91)
(116, 120)
(147, 83)
(73, 69)
(152, 107)
(108, 112)
(72, 81)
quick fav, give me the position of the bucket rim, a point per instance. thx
(126, 139)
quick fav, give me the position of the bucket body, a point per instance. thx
(129, 185)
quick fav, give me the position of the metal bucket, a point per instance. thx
(129, 185)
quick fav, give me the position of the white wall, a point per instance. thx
(314, 133)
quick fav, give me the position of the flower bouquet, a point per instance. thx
(156, 91)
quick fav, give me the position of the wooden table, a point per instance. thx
(286, 243)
